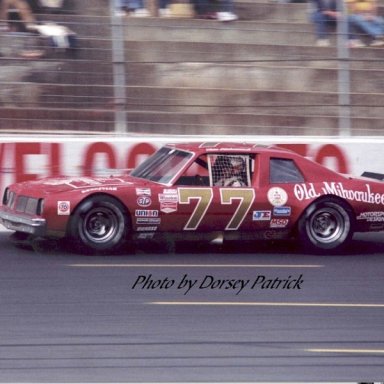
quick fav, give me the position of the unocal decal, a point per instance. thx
(63, 207)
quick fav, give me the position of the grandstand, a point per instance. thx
(261, 75)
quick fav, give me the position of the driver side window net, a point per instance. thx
(284, 171)
(230, 170)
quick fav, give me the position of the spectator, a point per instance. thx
(58, 36)
(23, 10)
(131, 7)
(204, 9)
(207, 9)
(325, 16)
(363, 17)
(51, 5)
(226, 12)
(164, 11)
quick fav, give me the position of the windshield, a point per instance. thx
(163, 165)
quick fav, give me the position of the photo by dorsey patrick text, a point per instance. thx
(185, 284)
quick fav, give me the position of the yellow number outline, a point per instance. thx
(204, 197)
(227, 196)
(246, 197)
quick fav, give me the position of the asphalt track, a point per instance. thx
(131, 318)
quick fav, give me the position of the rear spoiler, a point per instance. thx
(373, 175)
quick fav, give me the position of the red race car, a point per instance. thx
(200, 191)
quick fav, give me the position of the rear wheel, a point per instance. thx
(99, 224)
(326, 225)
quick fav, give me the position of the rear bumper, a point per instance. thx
(22, 223)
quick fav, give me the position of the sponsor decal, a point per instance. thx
(261, 215)
(146, 213)
(371, 217)
(99, 189)
(308, 191)
(376, 226)
(170, 191)
(63, 208)
(74, 182)
(168, 198)
(282, 211)
(277, 196)
(145, 235)
(148, 220)
(146, 229)
(144, 201)
(112, 180)
(168, 207)
(143, 192)
(273, 235)
(279, 223)
(84, 182)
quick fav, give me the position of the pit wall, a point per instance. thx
(29, 158)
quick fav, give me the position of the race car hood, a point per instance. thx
(66, 184)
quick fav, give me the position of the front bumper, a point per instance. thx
(22, 223)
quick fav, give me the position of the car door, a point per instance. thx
(198, 203)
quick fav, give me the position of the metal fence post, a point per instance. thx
(344, 81)
(153, 7)
(118, 62)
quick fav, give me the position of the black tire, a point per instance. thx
(100, 224)
(326, 225)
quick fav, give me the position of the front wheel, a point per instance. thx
(326, 225)
(99, 224)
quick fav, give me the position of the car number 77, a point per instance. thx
(204, 196)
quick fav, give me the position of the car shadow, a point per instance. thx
(358, 246)
(362, 244)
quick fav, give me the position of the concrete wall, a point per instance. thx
(32, 157)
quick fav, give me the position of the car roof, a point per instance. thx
(204, 147)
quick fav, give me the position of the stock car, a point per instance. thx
(199, 191)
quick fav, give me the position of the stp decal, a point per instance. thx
(144, 201)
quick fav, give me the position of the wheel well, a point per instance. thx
(79, 204)
(332, 198)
